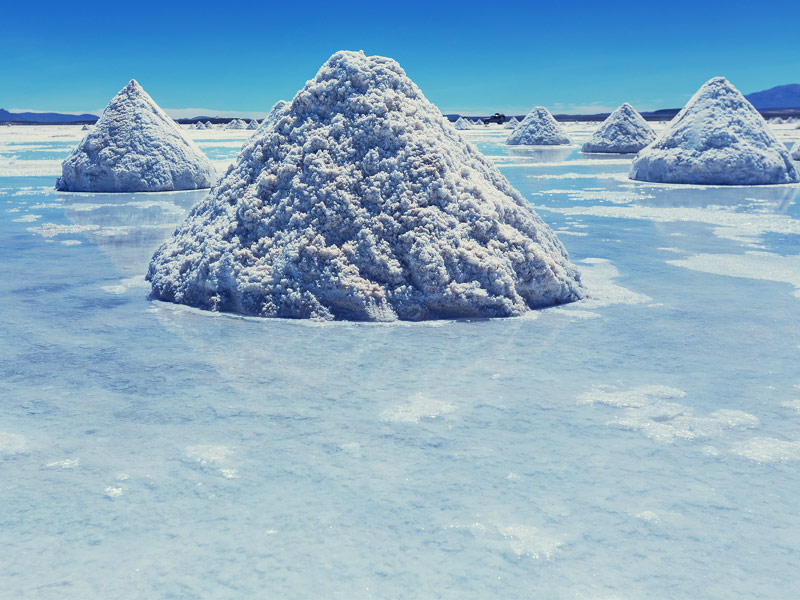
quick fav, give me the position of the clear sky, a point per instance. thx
(236, 57)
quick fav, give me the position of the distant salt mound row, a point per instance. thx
(358, 201)
(135, 147)
(717, 139)
(462, 124)
(511, 123)
(538, 128)
(796, 151)
(236, 124)
(253, 124)
(624, 131)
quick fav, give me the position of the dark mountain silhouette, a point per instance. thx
(781, 96)
(35, 117)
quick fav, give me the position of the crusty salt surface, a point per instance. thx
(360, 202)
(718, 138)
(624, 131)
(796, 151)
(135, 147)
(538, 128)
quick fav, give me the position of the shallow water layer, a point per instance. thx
(644, 443)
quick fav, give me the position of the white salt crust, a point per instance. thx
(358, 201)
(624, 131)
(717, 139)
(135, 147)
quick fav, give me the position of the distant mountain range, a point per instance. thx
(37, 117)
(782, 96)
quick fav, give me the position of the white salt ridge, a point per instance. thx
(719, 139)
(462, 124)
(768, 450)
(135, 147)
(538, 128)
(653, 410)
(624, 131)
(359, 202)
(236, 124)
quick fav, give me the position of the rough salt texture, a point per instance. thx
(796, 151)
(624, 131)
(360, 202)
(538, 128)
(461, 124)
(717, 139)
(511, 123)
(135, 147)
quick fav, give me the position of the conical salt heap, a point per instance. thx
(624, 131)
(478, 123)
(462, 124)
(796, 151)
(511, 123)
(717, 139)
(359, 202)
(253, 124)
(538, 128)
(135, 147)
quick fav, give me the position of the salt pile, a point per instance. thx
(135, 147)
(624, 131)
(717, 139)
(461, 124)
(796, 151)
(253, 124)
(478, 123)
(538, 128)
(359, 202)
(511, 123)
(236, 124)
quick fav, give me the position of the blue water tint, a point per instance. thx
(150, 450)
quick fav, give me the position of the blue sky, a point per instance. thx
(474, 58)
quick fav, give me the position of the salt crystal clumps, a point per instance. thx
(624, 131)
(358, 201)
(462, 124)
(538, 128)
(717, 139)
(511, 123)
(796, 151)
(135, 147)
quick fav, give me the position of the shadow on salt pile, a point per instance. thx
(129, 227)
(541, 154)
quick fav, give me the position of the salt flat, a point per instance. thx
(642, 443)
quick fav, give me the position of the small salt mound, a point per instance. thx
(85, 128)
(253, 124)
(538, 128)
(209, 125)
(624, 131)
(796, 151)
(236, 124)
(135, 147)
(511, 123)
(717, 139)
(357, 201)
(461, 124)
(478, 123)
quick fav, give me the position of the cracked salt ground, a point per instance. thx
(454, 451)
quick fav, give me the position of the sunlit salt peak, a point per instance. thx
(360, 202)
(511, 123)
(538, 128)
(718, 138)
(796, 151)
(624, 131)
(135, 147)
(462, 123)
